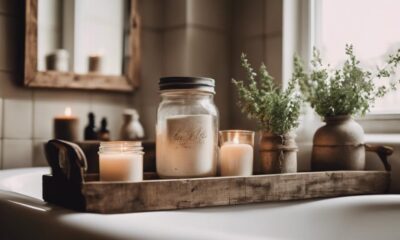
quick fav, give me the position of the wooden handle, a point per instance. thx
(66, 159)
(383, 153)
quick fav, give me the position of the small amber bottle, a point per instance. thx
(90, 131)
(103, 134)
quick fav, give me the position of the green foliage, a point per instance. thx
(348, 90)
(276, 110)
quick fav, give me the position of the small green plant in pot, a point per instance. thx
(337, 95)
(276, 111)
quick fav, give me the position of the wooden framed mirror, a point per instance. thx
(82, 44)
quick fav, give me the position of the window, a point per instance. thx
(372, 26)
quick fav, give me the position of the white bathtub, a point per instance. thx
(23, 215)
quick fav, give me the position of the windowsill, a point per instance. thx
(379, 116)
(385, 124)
(383, 138)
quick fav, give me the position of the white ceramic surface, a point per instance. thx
(25, 216)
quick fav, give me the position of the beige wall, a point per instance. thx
(257, 31)
(184, 38)
(179, 37)
(26, 115)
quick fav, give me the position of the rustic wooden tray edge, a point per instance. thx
(169, 194)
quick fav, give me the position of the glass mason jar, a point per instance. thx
(187, 128)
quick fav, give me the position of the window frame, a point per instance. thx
(300, 35)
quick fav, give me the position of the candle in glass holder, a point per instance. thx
(236, 152)
(66, 126)
(121, 161)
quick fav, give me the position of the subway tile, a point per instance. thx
(8, 6)
(110, 106)
(175, 13)
(1, 120)
(10, 88)
(254, 49)
(210, 13)
(152, 13)
(148, 120)
(147, 96)
(17, 153)
(17, 119)
(39, 158)
(8, 43)
(51, 103)
(1, 153)
(152, 62)
(273, 61)
(17, 108)
(209, 57)
(248, 17)
(176, 56)
(258, 50)
(208, 53)
(274, 16)
(239, 120)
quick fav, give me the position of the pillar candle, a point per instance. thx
(66, 126)
(236, 159)
(121, 167)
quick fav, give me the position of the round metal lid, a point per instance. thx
(200, 83)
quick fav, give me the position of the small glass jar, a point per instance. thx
(187, 128)
(121, 161)
(236, 152)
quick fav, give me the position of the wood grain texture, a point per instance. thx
(31, 31)
(150, 195)
(70, 80)
(134, 64)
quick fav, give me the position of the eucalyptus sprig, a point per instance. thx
(276, 110)
(348, 90)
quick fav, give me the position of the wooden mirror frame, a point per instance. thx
(69, 80)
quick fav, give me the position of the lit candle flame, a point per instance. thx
(68, 111)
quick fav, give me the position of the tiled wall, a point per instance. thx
(179, 37)
(257, 32)
(184, 37)
(26, 114)
(205, 38)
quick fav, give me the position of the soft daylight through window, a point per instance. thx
(373, 29)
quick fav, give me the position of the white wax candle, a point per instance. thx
(236, 159)
(121, 167)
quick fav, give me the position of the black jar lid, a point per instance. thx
(198, 83)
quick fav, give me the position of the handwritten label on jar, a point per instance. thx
(189, 131)
(189, 136)
(190, 143)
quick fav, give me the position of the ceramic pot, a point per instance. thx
(278, 153)
(339, 145)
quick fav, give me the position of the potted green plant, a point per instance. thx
(277, 111)
(337, 95)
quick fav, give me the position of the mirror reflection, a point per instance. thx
(82, 36)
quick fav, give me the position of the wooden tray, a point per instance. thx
(70, 187)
